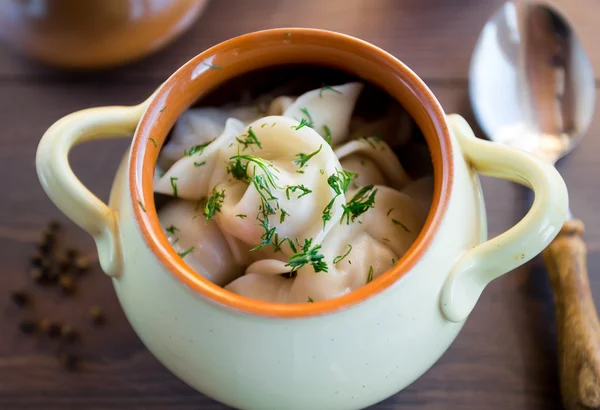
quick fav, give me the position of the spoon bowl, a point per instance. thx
(531, 83)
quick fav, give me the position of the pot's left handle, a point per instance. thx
(65, 189)
(509, 250)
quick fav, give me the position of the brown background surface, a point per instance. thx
(505, 358)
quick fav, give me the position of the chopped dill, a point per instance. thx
(213, 205)
(304, 158)
(284, 213)
(339, 182)
(186, 252)
(142, 206)
(328, 88)
(327, 134)
(263, 125)
(172, 229)
(196, 149)
(241, 216)
(397, 222)
(287, 35)
(310, 300)
(393, 261)
(309, 120)
(174, 186)
(294, 188)
(299, 172)
(199, 164)
(303, 122)
(370, 275)
(213, 66)
(341, 257)
(362, 201)
(309, 255)
(154, 142)
(249, 140)
(390, 211)
(277, 244)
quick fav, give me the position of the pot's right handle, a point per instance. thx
(65, 189)
(489, 260)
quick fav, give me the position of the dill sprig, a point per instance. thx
(199, 164)
(303, 122)
(309, 120)
(327, 134)
(186, 252)
(370, 275)
(195, 149)
(362, 201)
(241, 216)
(277, 244)
(174, 186)
(172, 229)
(309, 256)
(310, 300)
(142, 206)
(213, 66)
(339, 182)
(303, 158)
(284, 213)
(249, 140)
(328, 88)
(341, 257)
(213, 205)
(294, 188)
(397, 222)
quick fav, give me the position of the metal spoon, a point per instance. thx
(532, 86)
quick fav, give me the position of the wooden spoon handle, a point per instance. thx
(578, 327)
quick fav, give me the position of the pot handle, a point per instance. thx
(489, 260)
(65, 189)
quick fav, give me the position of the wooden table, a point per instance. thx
(505, 358)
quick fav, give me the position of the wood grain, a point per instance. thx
(506, 355)
(576, 318)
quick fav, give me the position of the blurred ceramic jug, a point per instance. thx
(93, 33)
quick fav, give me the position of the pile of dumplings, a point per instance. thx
(300, 204)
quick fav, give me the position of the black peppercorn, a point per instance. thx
(66, 284)
(28, 326)
(82, 264)
(68, 361)
(50, 328)
(97, 316)
(20, 298)
(68, 334)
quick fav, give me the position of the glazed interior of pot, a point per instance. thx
(291, 62)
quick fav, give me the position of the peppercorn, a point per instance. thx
(20, 298)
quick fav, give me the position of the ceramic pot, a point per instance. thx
(93, 33)
(344, 353)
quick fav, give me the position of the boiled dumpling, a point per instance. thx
(201, 244)
(373, 161)
(327, 110)
(190, 176)
(290, 179)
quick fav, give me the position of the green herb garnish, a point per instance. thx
(341, 257)
(199, 164)
(390, 211)
(309, 255)
(339, 182)
(327, 134)
(186, 252)
(294, 188)
(196, 149)
(370, 275)
(310, 300)
(172, 229)
(213, 205)
(362, 201)
(241, 216)
(287, 35)
(303, 122)
(393, 261)
(249, 140)
(142, 206)
(309, 120)
(154, 142)
(213, 66)
(277, 244)
(401, 224)
(303, 158)
(284, 213)
(174, 186)
(328, 88)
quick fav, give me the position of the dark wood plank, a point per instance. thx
(504, 358)
(433, 37)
